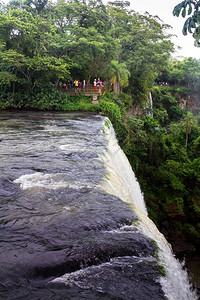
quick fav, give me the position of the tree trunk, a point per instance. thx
(116, 87)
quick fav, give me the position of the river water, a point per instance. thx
(73, 224)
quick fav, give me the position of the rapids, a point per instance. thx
(73, 222)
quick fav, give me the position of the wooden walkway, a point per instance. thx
(87, 91)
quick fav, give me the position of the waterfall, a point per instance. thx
(151, 104)
(73, 222)
(121, 182)
(120, 179)
(148, 109)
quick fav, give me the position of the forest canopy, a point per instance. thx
(42, 43)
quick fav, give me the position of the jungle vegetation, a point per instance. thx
(43, 43)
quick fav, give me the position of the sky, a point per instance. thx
(163, 9)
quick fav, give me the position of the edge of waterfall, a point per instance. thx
(121, 182)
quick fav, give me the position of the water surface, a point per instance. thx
(61, 235)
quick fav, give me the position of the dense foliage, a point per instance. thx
(184, 72)
(163, 147)
(44, 43)
(164, 151)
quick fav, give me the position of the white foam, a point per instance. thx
(73, 148)
(80, 277)
(48, 181)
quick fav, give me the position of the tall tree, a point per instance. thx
(182, 72)
(118, 75)
(187, 123)
(82, 34)
(142, 45)
(24, 53)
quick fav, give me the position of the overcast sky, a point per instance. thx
(164, 8)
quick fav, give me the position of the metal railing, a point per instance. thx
(88, 89)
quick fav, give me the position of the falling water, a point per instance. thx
(121, 182)
(151, 104)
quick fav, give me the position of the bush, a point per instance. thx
(113, 112)
(175, 113)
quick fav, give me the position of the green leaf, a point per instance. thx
(177, 10)
(184, 12)
(185, 27)
(190, 9)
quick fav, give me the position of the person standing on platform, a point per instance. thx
(79, 85)
(99, 83)
(83, 86)
(76, 83)
(95, 84)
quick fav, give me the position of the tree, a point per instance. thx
(192, 23)
(121, 4)
(80, 38)
(82, 35)
(35, 7)
(185, 73)
(191, 69)
(187, 123)
(142, 46)
(24, 51)
(118, 75)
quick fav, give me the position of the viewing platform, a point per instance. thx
(89, 90)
